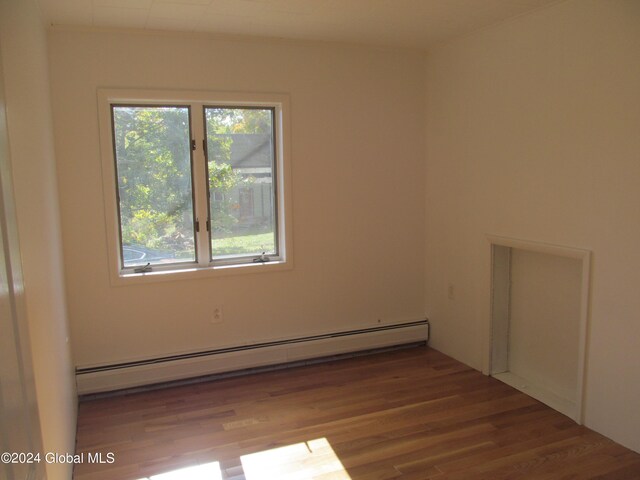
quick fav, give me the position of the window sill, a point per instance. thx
(190, 273)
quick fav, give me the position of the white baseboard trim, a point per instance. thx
(105, 378)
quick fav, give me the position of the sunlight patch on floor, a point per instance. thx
(301, 461)
(309, 460)
(206, 471)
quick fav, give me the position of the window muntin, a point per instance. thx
(241, 176)
(152, 147)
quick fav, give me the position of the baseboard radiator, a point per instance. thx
(120, 376)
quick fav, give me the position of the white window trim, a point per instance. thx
(120, 276)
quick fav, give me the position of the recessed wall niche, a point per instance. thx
(538, 325)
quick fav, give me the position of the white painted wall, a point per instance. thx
(532, 133)
(26, 81)
(357, 157)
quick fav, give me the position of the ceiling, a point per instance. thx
(401, 23)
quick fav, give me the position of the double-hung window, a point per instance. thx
(194, 181)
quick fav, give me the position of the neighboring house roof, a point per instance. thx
(250, 150)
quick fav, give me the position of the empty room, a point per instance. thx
(304, 239)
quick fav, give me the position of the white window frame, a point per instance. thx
(197, 100)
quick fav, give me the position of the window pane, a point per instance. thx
(153, 160)
(240, 151)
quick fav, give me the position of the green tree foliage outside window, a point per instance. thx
(154, 172)
(154, 179)
(232, 169)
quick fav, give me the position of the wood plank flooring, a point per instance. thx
(408, 414)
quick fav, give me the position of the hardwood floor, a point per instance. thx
(407, 414)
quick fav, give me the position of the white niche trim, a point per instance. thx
(500, 356)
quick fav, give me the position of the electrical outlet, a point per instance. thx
(451, 292)
(217, 315)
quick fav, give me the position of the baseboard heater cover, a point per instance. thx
(117, 376)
